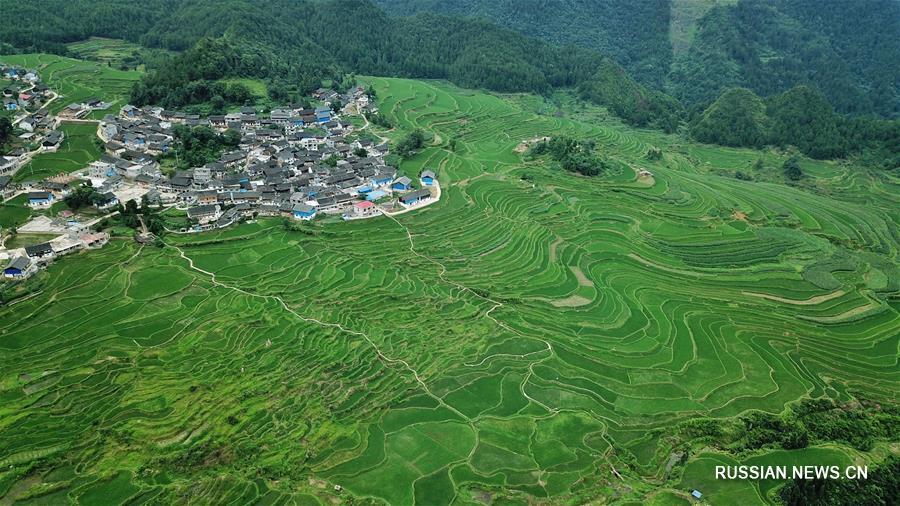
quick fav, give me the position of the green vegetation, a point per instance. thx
(14, 212)
(6, 129)
(116, 53)
(20, 240)
(78, 149)
(84, 195)
(294, 46)
(196, 146)
(881, 487)
(572, 155)
(808, 61)
(799, 117)
(848, 55)
(518, 340)
(737, 118)
(610, 86)
(634, 34)
(77, 80)
(410, 143)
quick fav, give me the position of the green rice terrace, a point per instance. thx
(77, 150)
(77, 80)
(533, 337)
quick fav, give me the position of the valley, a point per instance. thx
(534, 336)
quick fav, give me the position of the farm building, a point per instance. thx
(203, 214)
(94, 240)
(39, 251)
(19, 268)
(40, 199)
(304, 212)
(106, 201)
(365, 208)
(375, 195)
(402, 183)
(415, 197)
(428, 177)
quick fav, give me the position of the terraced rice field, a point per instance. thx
(108, 52)
(77, 80)
(76, 152)
(516, 341)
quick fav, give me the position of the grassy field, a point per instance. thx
(76, 80)
(109, 52)
(76, 152)
(22, 239)
(14, 212)
(514, 342)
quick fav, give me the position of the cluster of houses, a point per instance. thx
(78, 238)
(294, 161)
(41, 135)
(78, 110)
(25, 91)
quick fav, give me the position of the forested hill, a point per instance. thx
(634, 33)
(300, 41)
(848, 50)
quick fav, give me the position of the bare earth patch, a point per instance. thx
(524, 145)
(553, 245)
(571, 301)
(582, 279)
(807, 302)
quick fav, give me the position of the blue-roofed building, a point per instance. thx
(696, 494)
(19, 268)
(428, 177)
(416, 196)
(402, 183)
(363, 189)
(375, 195)
(323, 114)
(382, 179)
(304, 212)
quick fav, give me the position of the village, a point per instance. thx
(295, 161)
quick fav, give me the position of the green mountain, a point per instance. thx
(303, 41)
(850, 55)
(800, 117)
(633, 33)
(849, 51)
(643, 107)
(737, 118)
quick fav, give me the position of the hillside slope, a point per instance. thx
(851, 55)
(634, 34)
(304, 41)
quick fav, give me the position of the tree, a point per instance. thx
(792, 169)
(413, 141)
(131, 207)
(83, 196)
(278, 91)
(217, 103)
(6, 129)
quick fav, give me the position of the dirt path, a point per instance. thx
(381, 355)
